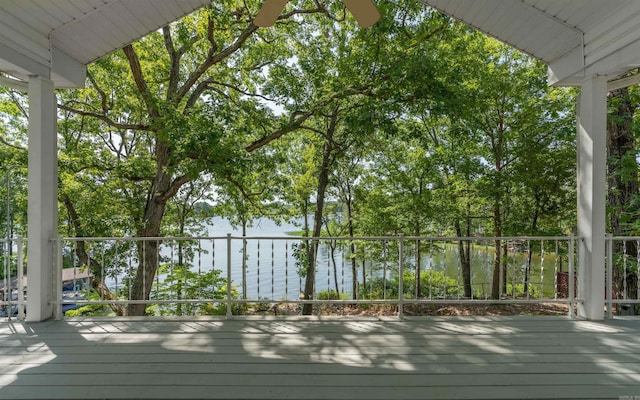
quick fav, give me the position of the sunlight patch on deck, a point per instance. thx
(476, 329)
(591, 326)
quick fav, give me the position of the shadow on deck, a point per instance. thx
(321, 358)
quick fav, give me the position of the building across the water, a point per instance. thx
(74, 281)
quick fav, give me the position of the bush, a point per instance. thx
(332, 295)
(432, 284)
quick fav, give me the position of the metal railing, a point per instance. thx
(13, 290)
(230, 275)
(623, 261)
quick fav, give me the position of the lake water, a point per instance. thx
(271, 266)
(271, 271)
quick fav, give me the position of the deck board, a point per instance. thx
(298, 358)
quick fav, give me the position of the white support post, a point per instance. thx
(592, 120)
(42, 217)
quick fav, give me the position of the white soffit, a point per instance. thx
(576, 38)
(63, 36)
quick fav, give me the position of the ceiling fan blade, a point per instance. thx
(364, 11)
(269, 12)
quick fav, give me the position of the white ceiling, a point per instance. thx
(576, 38)
(68, 34)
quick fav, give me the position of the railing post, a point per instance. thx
(229, 313)
(501, 271)
(7, 254)
(5, 293)
(401, 278)
(7, 278)
(572, 299)
(609, 272)
(57, 279)
(21, 315)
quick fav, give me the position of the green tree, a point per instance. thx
(173, 106)
(13, 162)
(511, 111)
(623, 197)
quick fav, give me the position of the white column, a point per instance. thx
(42, 217)
(592, 153)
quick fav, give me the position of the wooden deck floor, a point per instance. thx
(432, 358)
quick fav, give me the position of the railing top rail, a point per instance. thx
(626, 238)
(324, 238)
(13, 239)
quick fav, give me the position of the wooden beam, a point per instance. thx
(20, 64)
(66, 71)
(623, 83)
(14, 84)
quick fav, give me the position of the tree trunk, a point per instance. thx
(364, 273)
(497, 262)
(352, 248)
(143, 281)
(180, 282)
(148, 249)
(305, 211)
(418, 262)
(497, 147)
(534, 228)
(505, 264)
(335, 268)
(527, 272)
(464, 249)
(622, 178)
(158, 195)
(94, 267)
(332, 254)
(323, 182)
(244, 259)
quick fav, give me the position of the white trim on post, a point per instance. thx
(592, 125)
(42, 217)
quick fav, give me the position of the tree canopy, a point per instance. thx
(415, 126)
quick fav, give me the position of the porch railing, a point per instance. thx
(231, 275)
(13, 285)
(622, 290)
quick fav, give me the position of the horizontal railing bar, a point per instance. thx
(621, 301)
(215, 301)
(368, 301)
(220, 301)
(389, 262)
(321, 238)
(625, 238)
(139, 239)
(411, 301)
(503, 301)
(98, 302)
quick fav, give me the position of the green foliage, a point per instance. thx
(300, 252)
(332, 295)
(418, 125)
(625, 263)
(434, 285)
(13, 263)
(90, 310)
(179, 282)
